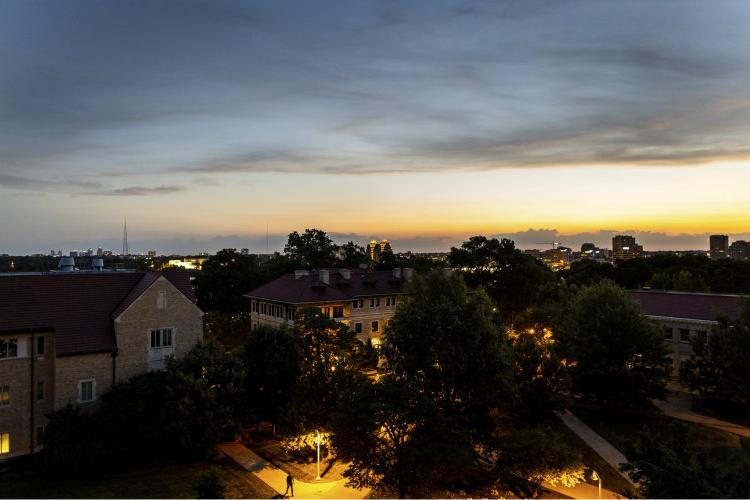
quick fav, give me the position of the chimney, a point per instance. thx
(346, 273)
(97, 264)
(325, 276)
(66, 264)
(300, 273)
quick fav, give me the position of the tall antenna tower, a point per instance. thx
(125, 238)
(267, 237)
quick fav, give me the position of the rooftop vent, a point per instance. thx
(97, 264)
(66, 264)
(325, 276)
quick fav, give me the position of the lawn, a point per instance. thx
(162, 479)
(622, 428)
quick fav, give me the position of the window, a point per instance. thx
(4, 443)
(372, 302)
(166, 337)
(161, 301)
(377, 302)
(4, 395)
(155, 338)
(393, 301)
(357, 327)
(8, 348)
(85, 391)
(684, 335)
(387, 301)
(338, 312)
(374, 326)
(39, 346)
(40, 391)
(668, 333)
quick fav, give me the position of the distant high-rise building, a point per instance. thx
(125, 249)
(624, 247)
(739, 250)
(244, 251)
(718, 246)
(99, 252)
(588, 248)
(376, 248)
(74, 253)
(152, 253)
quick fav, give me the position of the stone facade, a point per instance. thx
(161, 306)
(677, 335)
(22, 414)
(72, 370)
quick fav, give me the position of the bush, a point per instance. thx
(209, 485)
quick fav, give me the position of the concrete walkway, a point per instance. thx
(582, 491)
(276, 478)
(679, 405)
(601, 446)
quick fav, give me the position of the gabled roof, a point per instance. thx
(310, 288)
(688, 305)
(77, 306)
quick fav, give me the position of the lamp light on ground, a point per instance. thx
(595, 477)
(317, 440)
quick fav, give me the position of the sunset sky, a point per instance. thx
(419, 121)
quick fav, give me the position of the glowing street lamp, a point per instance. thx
(317, 439)
(595, 477)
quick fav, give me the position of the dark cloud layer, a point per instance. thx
(366, 87)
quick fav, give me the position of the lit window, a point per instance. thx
(40, 391)
(86, 391)
(4, 443)
(40, 345)
(4, 395)
(374, 326)
(8, 348)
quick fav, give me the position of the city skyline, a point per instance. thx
(423, 124)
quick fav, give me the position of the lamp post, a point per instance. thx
(595, 477)
(317, 439)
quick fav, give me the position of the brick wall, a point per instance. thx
(73, 369)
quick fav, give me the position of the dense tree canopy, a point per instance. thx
(225, 278)
(617, 356)
(719, 368)
(511, 278)
(312, 249)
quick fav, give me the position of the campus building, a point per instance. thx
(66, 337)
(718, 246)
(364, 300)
(684, 315)
(624, 247)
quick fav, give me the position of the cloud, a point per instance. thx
(139, 191)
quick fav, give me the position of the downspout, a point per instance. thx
(31, 415)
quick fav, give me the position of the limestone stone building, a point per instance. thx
(363, 299)
(66, 337)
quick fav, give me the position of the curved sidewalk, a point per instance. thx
(680, 407)
(276, 477)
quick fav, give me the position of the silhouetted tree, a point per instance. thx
(312, 249)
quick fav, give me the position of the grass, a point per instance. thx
(162, 479)
(622, 428)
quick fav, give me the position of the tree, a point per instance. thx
(443, 342)
(617, 356)
(387, 260)
(312, 249)
(209, 485)
(225, 278)
(352, 255)
(511, 278)
(719, 367)
(272, 359)
(228, 330)
(328, 366)
(395, 437)
(667, 464)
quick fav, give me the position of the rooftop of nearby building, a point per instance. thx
(332, 285)
(688, 305)
(78, 306)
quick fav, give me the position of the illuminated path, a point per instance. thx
(679, 406)
(601, 446)
(276, 477)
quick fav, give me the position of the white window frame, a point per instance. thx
(80, 390)
(160, 337)
(7, 341)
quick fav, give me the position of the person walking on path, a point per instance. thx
(289, 484)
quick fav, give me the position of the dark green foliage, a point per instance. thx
(682, 280)
(719, 368)
(209, 485)
(272, 359)
(616, 355)
(225, 278)
(445, 344)
(396, 438)
(312, 249)
(386, 260)
(668, 465)
(352, 255)
(586, 272)
(511, 278)
(228, 330)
